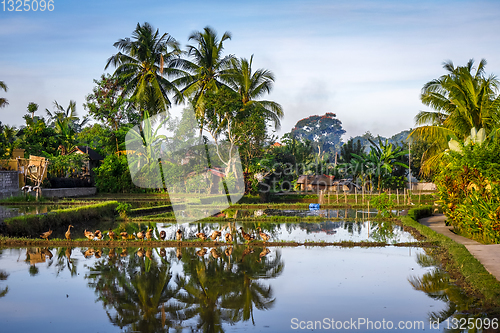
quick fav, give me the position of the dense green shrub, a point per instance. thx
(113, 176)
(469, 189)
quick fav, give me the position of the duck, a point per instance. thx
(163, 252)
(98, 253)
(140, 252)
(228, 251)
(246, 236)
(163, 235)
(89, 234)
(201, 253)
(68, 233)
(178, 234)
(201, 235)
(149, 234)
(214, 253)
(215, 235)
(124, 235)
(229, 237)
(140, 235)
(265, 237)
(264, 253)
(98, 234)
(111, 234)
(124, 253)
(46, 234)
(111, 253)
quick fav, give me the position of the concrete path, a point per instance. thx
(488, 255)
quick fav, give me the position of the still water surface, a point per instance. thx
(227, 289)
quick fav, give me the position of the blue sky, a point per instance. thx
(364, 60)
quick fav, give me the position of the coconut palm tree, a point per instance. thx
(3, 101)
(66, 124)
(206, 70)
(143, 66)
(463, 99)
(252, 85)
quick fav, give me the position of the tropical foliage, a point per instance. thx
(3, 100)
(463, 99)
(143, 65)
(469, 186)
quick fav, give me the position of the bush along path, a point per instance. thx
(488, 255)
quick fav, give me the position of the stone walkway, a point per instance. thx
(488, 255)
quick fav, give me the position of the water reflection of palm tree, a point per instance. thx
(224, 290)
(3, 276)
(138, 289)
(437, 285)
(250, 292)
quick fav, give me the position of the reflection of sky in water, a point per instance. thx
(316, 283)
(328, 231)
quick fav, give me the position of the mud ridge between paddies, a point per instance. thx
(12, 242)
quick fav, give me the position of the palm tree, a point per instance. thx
(66, 124)
(206, 70)
(3, 101)
(462, 100)
(143, 65)
(251, 86)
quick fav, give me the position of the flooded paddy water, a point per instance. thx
(237, 286)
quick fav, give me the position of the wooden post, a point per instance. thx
(356, 195)
(345, 197)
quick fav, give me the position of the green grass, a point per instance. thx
(23, 199)
(32, 224)
(474, 273)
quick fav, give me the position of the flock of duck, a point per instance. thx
(148, 235)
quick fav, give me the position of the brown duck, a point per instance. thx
(98, 234)
(178, 235)
(89, 234)
(124, 235)
(46, 234)
(215, 235)
(149, 234)
(246, 236)
(201, 236)
(265, 237)
(111, 234)
(68, 233)
(163, 235)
